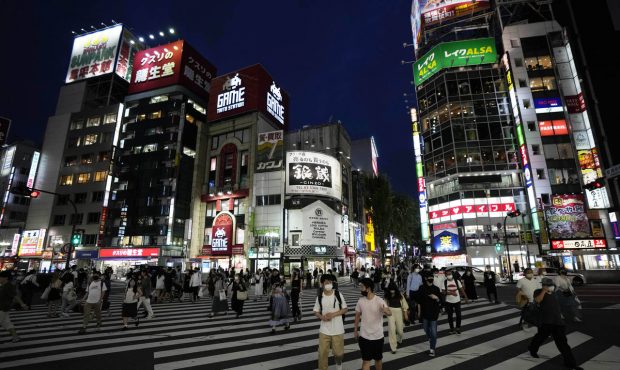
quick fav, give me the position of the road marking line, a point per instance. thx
(606, 360)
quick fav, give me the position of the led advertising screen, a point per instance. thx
(313, 173)
(454, 54)
(566, 217)
(171, 64)
(246, 90)
(446, 241)
(94, 54)
(553, 128)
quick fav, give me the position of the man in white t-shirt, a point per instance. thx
(453, 291)
(92, 301)
(370, 309)
(526, 287)
(329, 308)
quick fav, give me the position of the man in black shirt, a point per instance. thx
(430, 302)
(489, 283)
(551, 324)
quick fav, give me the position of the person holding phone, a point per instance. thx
(369, 311)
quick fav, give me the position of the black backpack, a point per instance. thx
(338, 298)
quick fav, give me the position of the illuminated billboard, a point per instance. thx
(270, 151)
(446, 241)
(579, 244)
(94, 54)
(454, 54)
(435, 11)
(471, 208)
(553, 128)
(312, 173)
(32, 243)
(567, 218)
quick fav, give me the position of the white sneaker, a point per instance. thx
(338, 367)
(431, 352)
(150, 317)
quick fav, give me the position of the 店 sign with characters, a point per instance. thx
(313, 173)
(94, 54)
(454, 54)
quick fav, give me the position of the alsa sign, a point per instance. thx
(246, 90)
(176, 63)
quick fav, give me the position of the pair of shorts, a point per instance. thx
(372, 349)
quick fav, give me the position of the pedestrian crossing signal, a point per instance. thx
(498, 247)
(76, 239)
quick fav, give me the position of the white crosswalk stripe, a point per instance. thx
(181, 336)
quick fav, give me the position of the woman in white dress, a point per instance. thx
(258, 285)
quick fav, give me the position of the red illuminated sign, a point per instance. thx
(474, 208)
(171, 64)
(579, 244)
(524, 154)
(551, 128)
(128, 252)
(104, 217)
(575, 103)
(222, 237)
(421, 184)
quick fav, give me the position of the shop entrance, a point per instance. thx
(320, 265)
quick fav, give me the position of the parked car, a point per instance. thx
(576, 278)
(478, 273)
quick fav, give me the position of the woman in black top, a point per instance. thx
(295, 293)
(236, 303)
(469, 281)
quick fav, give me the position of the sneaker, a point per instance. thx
(431, 352)
(82, 331)
(452, 331)
(150, 317)
(64, 314)
(273, 331)
(458, 331)
(15, 339)
(393, 352)
(533, 354)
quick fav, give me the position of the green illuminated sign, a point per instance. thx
(520, 135)
(419, 170)
(454, 54)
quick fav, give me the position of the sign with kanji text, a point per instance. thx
(313, 174)
(270, 151)
(579, 244)
(128, 252)
(94, 54)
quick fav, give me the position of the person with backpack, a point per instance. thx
(551, 323)
(451, 290)
(69, 296)
(400, 313)
(92, 301)
(330, 307)
(369, 311)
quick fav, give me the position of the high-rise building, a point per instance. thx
(78, 144)
(150, 200)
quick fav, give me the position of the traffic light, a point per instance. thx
(498, 247)
(594, 185)
(513, 214)
(76, 238)
(25, 191)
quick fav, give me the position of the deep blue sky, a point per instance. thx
(339, 59)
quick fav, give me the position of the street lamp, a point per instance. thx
(513, 214)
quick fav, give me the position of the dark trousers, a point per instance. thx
(295, 302)
(523, 311)
(237, 306)
(492, 291)
(413, 305)
(558, 332)
(195, 290)
(451, 309)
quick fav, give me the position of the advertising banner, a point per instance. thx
(247, 90)
(446, 241)
(171, 64)
(578, 244)
(313, 173)
(94, 54)
(32, 243)
(319, 225)
(471, 208)
(222, 234)
(86, 254)
(5, 124)
(128, 252)
(566, 217)
(575, 103)
(434, 11)
(615, 228)
(454, 54)
(126, 53)
(543, 103)
(552, 128)
(270, 151)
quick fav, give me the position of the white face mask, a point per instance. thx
(449, 277)
(416, 270)
(529, 276)
(551, 288)
(328, 287)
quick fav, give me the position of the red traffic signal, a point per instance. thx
(516, 213)
(35, 194)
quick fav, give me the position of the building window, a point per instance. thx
(109, 118)
(59, 220)
(87, 158)
(77, 218)
(70, 161)
(527, 104)
(93, 121)
(149, 148)
(90, 139)
(83, 178)
(295, 240)
(80, 198)
(93, 217)
(514, 43)
(540, 174)
(66, 180)
(62, 200)
(538, 63)
(531, 125)
(545, 199)
(522, 82)
(535, 149)
(76, 125)
(104, 156)
(74, 142)
(268, 200)
(101, 176)
(98, 196)
(189, 118)
(155, 115)
(518, 62)
(211, 209)
(106, 137)
(141, 117)
(89, 239)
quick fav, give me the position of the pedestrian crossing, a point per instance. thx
(181, 336)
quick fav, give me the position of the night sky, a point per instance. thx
(338, 59)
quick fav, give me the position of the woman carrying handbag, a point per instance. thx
(239, 295)
(397, 304)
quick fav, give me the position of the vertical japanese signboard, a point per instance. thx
(94, 54)
(417, 150)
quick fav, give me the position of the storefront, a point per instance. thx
(85, 256)
(31, 249)
(584, 254)
(121, 260)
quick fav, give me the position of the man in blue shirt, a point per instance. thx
(414, 281)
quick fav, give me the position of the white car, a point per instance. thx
(576, 278)
(478, 273)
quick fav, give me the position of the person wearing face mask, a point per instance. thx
(239, 295)
(414, 282)
(489, 283)
(430, 300)
(369, 312)
(329, 307)
(438, 281)
(453, 291)
(525, 292)
(552, 324)
(400, 313)
(567, 297)
(296, 288)
(92, 301)
(469, 281)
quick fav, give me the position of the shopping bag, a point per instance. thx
(242, 295)
(201, 292)
(222, 295)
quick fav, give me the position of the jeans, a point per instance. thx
(451, 308)
(430, 328)
(559, 337)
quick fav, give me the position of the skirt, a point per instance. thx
(130, 309)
